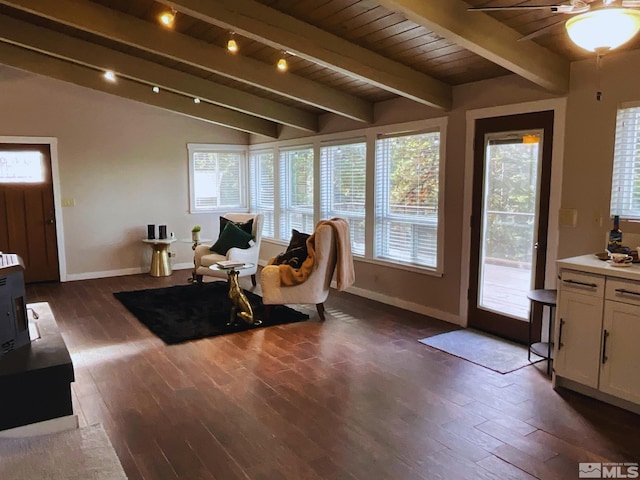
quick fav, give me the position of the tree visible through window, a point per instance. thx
(296, 191)
(343, 187)
(407, 196)
(625, 183)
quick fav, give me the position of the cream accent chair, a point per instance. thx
(204, 258)
(314, 289)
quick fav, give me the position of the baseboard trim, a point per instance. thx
(119, 273)
(404, 304)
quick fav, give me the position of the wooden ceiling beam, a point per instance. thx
(278, 30)
(79, 51)
(46, 65)
(147, 36)
(487, 37)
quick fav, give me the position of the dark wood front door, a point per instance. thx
(27, 214)
(511, 183)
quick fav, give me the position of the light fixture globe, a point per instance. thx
(605, 29)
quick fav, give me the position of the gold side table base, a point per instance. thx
(160, 265)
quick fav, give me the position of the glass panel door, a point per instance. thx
(509, 222)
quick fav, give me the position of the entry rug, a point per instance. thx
(189, 312)
(486, 350)
(78, 454)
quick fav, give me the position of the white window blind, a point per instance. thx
(342, 187)
(296, 191)
(216, 177)
(407, 183)
(625, 184)
(263, 189)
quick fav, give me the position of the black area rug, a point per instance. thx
(188, 312)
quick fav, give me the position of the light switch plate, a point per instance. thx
(68, 202)
(568, 217)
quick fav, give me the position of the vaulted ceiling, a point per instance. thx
(343, 55)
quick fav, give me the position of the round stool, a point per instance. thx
(546, 298)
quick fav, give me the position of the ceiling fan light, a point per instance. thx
(605, 29)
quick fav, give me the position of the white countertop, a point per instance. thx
(592, 264)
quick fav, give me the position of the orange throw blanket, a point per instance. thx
(345, 272)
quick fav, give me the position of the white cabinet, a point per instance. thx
(620, 358)
(597, 333)
(579, 327)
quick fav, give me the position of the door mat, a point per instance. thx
(489, 351)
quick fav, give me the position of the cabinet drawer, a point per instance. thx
(626, 291)
(580, 282)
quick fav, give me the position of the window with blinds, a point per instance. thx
(296, 191)
(216, 174)
(625, 183)
(262, 177)
(343, 186)
(407, 183)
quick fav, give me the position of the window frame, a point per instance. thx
(256, 186)
(194, 148)
(384, 211)
(285, 191)
(622, 169)
(370, 134)
(326, 197)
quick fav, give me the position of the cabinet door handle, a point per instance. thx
(628, 292)
(576, 282)
(604, 347)
(560, 344)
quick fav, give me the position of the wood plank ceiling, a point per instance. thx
(344, 55)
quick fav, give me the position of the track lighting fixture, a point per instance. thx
(168, 19)
(109, 76)
(196, 100)
(156, 89)
(232, 45)
(282, 64)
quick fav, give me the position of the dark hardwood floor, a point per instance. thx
(355, 397)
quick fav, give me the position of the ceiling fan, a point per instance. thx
(597, 29)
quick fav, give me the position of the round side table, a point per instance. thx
(160, 265)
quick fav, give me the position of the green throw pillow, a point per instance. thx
(246, 226)
(231, 236)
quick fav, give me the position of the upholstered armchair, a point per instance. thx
(204, 258)
(315, 289)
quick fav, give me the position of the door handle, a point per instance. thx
(576, 282)
(604, 347)
(560, 344)
(51, 221)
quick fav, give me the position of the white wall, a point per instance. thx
(124, 163)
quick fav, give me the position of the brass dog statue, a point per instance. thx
(240, 306)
